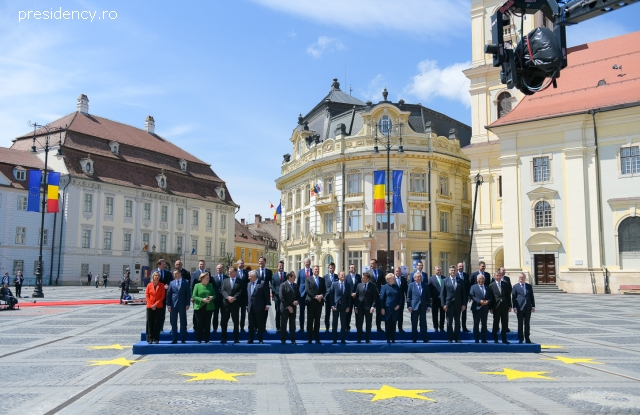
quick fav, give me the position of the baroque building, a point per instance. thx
(128, 195)
(561, 168)
(333, 152)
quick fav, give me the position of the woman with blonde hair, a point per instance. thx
(390, 298)
(203, 305)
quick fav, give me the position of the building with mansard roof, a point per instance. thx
(333, 148)
(129, 195)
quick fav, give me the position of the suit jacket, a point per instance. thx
(520, 300)
(340, 300)
(380, 282)
(404, 287)
(354, 286)
(235, 292)
(288, 294)
(186, 275)
(300, 281)
(329, 279)
(502, 296)
(506, 278)
(275, 284)
(195, 278)
(268, 274)
(467, 281)
(435, 287)
(415, 299)
(365, 299)
(476, 296)
(165, 276)
(425, 277)
(243, 275)
(261, 296)
(473, 280)
(453, 297)
(390, 297)
(178, 297)
(311, 290)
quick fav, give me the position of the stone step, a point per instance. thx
(548, 289)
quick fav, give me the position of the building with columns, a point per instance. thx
(126, 193)
(561, 168)
(333, 149)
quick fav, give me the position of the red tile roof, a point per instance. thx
(578, 89)
(20, 158)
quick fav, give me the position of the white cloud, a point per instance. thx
(422, 17)
(324, 44)
(449, 83)
(373, 92)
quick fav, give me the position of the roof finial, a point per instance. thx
(335, 84)
(385, 93)
(300, 119)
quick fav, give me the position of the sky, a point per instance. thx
(226, 80)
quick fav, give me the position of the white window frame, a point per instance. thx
(633, 161)
(328, 219)
(86, 238)
(22, 203)
(88, 203)
(21, 235)
(533, 170)
(146, 211)
(108, 205)
(164, 213)
(354, 183)
(163, 243)
(126, 242)
(418, 215)
(417, 182)
(107, 237)
(354, 220)
(445, 221)
(128, 208)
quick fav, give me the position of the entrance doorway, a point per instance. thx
(545, 269)
(382, 260)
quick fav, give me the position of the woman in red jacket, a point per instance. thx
(155, 296)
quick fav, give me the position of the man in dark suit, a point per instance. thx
(243, 275)
(303, 274)
(277, 280)
(435, 288)
(339, 296)
(507, 279)
(523, 305)
(177, 304)
(465, 277)
(454, 301)
(418, 304)
(353, 279)
(231, 293)
(165, 277)
(403, 286)
(196, 280)
(315, 292)
(420, 269)
(265, 275)
(186, 275)
(289, 294)
(216, 280)
(329, 279)
(473, 280)
(377, 278)
(367, 297)
(501, 306)
(259, 301)
(481, 302)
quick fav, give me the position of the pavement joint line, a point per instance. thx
(80, 394)
(598, 344)
(609, 372)
(483, 387)
(35, 347)
(295, 400)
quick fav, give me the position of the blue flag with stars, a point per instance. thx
(33, 202)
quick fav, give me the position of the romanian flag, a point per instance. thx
(379, 191)
(276, 214)
(146, 247)
(270, 205)
(52, 192)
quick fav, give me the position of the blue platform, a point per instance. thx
(438, 344)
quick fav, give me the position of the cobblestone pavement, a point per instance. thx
(45, 356)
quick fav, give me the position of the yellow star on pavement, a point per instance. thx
(548, 346)
(571, 360)
(517, 374)
(121, 361)
(215, 375)
(389, 392)
(113, 346)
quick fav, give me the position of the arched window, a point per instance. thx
(543, 215)
(629, 235)
(504, 104)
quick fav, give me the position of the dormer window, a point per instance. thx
(183, 164)
(220, 192)
(115, 147)
(20, 174)
(162, 180)
(87, 165)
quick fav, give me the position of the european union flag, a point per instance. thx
(397, 192)
(33, 202)
(193, 251)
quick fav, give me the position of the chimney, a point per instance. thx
(83, 104)
(258, 218)
(150, 124)
(242, 221)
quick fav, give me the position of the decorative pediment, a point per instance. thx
(87, 165)
(221, 192)
(543, 242)
(542, 193)
(115, 147)
(183, 164)
(162, 180)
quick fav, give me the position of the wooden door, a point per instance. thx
(382, 260)
(545, 269)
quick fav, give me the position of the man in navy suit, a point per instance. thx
(501, 306)
(377, 278)
(365, 305)
(315, 293)
(523, 305)
(420, 268)
(454, 301)
(231, 293)
(505, 279)
(403, 286)
(265, 275)
(303, 274)
(464, 276)
(418, 304)
(216, 280)
(289, 295)
(259, 301)
(481, 298)
(278, 279)
(177, 304)
(339, 296)
(473, 280)
(435, 288)
(242, 275)
(329, 279)
(353, 279)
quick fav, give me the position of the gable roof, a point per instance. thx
(580, 88)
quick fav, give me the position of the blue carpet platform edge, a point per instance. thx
(376, 346)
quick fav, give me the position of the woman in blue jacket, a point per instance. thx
(390, 298)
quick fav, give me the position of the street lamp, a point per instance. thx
(479, 181)
(385, 126)
(37, 292)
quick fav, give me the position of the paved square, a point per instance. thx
(46, 351)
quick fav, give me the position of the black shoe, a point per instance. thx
(414, 341)
(388, 341)
(335, 342)
(426, 341)
(507, 330)
(393, 341)
(300, 331)
(450, 341)
(236, 341)
(243, 331)
(505, 342)
(466, 330)
(183, 342)
(309, 342)
(294, 342)
(484, 341)
(529, 342)
(477, 341)
(401, 330)
(435, 330)
(156, 342)
(379, 329)
(318, 342)
(250, 342)
(368, 341)
(199, 342)
(149, 341)
(458, 341)
(207, 342)
(343, 342)
(175, 341)
(283, 342)
(260, 342)
(223, 342)
(359, 342)
(348, 328)
(495, 341)
(520, 342)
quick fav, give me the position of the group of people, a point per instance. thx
(5, 292)
(218, 298)
(105, 279)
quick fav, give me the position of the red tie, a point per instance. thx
(307, 273)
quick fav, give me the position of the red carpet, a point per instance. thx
(28, 303)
